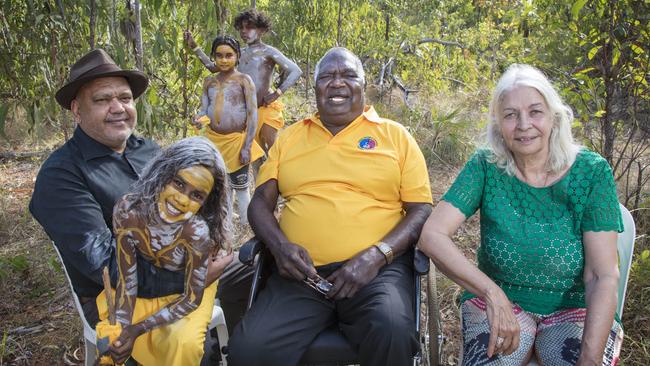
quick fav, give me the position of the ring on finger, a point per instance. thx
(500, 341)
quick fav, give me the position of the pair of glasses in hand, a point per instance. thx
(319, 284)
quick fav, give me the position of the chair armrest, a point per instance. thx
(420, 262)
(249, 250)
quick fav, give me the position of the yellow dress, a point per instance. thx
(230, 146)
(178, 343)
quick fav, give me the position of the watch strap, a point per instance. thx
(386, 250)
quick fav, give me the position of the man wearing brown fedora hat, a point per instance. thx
(79, 183)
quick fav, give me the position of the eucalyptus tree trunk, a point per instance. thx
(610, 78)
(387, 31)
(138, 36)
(113, 27)
(186, 59)
(338, 28)
(64, 117)
(92, 23)
(65, 22)
(222, 14)
(308, 72)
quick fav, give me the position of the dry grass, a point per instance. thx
(39, 324)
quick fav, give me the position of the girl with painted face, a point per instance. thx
(177, 217)
(229, 112)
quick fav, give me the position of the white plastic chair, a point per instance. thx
(90, 348)
(625, 248)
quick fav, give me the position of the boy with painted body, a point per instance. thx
(228, 105)
(177, 217)
(258, 61)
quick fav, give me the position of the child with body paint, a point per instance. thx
(259, 61)
(229, 107)
(177, 217)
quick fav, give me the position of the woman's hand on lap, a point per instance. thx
(503, 324)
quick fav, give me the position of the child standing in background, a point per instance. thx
(229, 107)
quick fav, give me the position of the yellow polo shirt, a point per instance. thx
(344, 193)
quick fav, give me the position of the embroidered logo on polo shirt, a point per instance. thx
(367, 143)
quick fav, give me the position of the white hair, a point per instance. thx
(562, 148)
(357, 63)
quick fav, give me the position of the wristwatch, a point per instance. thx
(386, 250)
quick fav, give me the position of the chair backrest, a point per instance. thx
(625, 247)
(89, 332)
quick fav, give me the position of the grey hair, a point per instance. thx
(188, 152)
(562, 148)
(357, 63)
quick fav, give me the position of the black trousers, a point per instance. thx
(288, 315)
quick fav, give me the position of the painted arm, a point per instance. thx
(292, 260)
(205, 99)
(205, 60)
(363, 267)
(436, 243)
(129, 236)
(251, 117)
(601, 284)
(289, 68)
(205, 103)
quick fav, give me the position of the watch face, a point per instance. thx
(319, 284)
(324, 286)
(386, 251)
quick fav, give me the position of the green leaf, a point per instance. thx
(593, 52)
(584, 71)
(638, 50)
(599, 114)
(4, 108)
(18, 263)
(617, 56)
(645, 254)
(54, 262)
(577, 6)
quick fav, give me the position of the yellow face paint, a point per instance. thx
(225, 57)
(183, 197)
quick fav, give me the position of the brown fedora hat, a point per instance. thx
(96, 64)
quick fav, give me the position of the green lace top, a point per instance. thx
(531, 238)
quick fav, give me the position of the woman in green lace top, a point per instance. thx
(545, 286)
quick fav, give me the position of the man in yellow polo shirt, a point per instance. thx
(357, 194)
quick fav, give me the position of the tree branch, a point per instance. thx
(442, 42)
